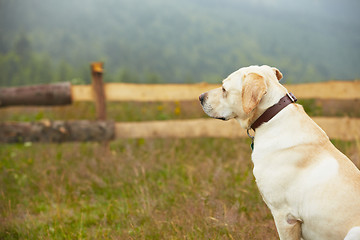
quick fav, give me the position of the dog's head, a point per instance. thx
(244, 95)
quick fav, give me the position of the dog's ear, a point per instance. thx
(278, 74)
(253, 89)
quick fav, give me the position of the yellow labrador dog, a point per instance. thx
(311, 188)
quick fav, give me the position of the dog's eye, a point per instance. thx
(224, 93)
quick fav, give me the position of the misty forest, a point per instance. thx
(166, 41)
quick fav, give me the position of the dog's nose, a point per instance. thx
(202, 97)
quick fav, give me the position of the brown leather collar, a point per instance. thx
(272, 111)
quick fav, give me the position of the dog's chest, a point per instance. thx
(281, 181)
(274, 183)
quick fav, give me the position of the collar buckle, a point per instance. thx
(292, 97)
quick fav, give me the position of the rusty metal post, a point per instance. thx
(98, 89)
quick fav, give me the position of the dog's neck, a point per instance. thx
(285, 126)
(273, 110)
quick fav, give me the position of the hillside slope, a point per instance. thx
(172, 41)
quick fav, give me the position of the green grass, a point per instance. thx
(118, 111)
(134, 189)
(148, 111)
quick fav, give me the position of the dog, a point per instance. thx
(310, 187)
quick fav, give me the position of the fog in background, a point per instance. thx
(157, 41)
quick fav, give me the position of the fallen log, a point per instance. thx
(56, 131)
(37, 95)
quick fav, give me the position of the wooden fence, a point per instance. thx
(60, 131)
(183, 92)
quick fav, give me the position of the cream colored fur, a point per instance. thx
(311, 188)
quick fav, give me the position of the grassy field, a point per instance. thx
(139, 189)
(134, 189)
(147, 111)
(118, 111)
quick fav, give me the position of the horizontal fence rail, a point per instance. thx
(184, 92)
(36, 95)
(336, 128)
(64, 93)
(65, 131)
(56, 131)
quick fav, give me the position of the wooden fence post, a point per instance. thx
(98, 89)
